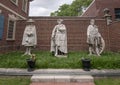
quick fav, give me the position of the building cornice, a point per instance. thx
(7, 8)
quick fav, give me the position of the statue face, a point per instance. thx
(92, 21)
(30, 23)
(59, 21)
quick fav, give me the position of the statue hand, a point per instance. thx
(88, 36)
(52, 38)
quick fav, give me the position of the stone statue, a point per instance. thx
(29, 37)
(94, 39)
(59, 40)
(107, 16)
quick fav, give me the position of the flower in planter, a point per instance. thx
(33, 57)
(31, 62)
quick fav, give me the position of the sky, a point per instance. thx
(45, 7)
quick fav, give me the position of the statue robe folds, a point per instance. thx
(93, 35)
(29, 36)
(95, 40)
(59, 38)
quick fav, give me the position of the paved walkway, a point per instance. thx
(62, 80)
(93, 72)
(49, 83)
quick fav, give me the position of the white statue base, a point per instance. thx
(61, 56)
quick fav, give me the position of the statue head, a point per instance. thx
(59, 21)
(30, 21)
(92, 21)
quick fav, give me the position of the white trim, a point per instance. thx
(0, 11)
(12, 18)
(12, 11)
(24, 9)
(16, 3)
(88, 7)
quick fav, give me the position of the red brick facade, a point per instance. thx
(97, 6)
(17, 8)
(115, 36)
(7, 7)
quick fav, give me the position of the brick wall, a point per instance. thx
(96, 9)
(90, 12)
(76, 32)
(115, 36)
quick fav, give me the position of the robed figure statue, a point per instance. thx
(59, 40)
(94, 39)
(29, 37)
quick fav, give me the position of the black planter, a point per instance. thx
(86, 64)
(31, 64)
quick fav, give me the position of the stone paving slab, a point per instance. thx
(62, 78)
(93, 72)
(53, 83)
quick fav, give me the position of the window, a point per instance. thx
(11, 28)
(15, 2)
(24, 5)
(117, 13)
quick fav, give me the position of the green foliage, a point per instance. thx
(107, 81)
(13, 59)
(107, 60)
(75, 9)
(46, 60)
(14, 80)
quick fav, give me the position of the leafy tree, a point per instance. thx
(63, 10)
(75, 9)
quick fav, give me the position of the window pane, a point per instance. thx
(11, 29)
(24, 7)
(117, 13)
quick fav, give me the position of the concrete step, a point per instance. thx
(62, 78)
(62, 83)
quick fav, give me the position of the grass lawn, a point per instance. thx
(107, 81)
(9, 80)
(107, 60)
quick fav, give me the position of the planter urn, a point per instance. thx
(86, 64)
(31, 64)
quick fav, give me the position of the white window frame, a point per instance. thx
(11, 18)
(16, 3)
(26, 6)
